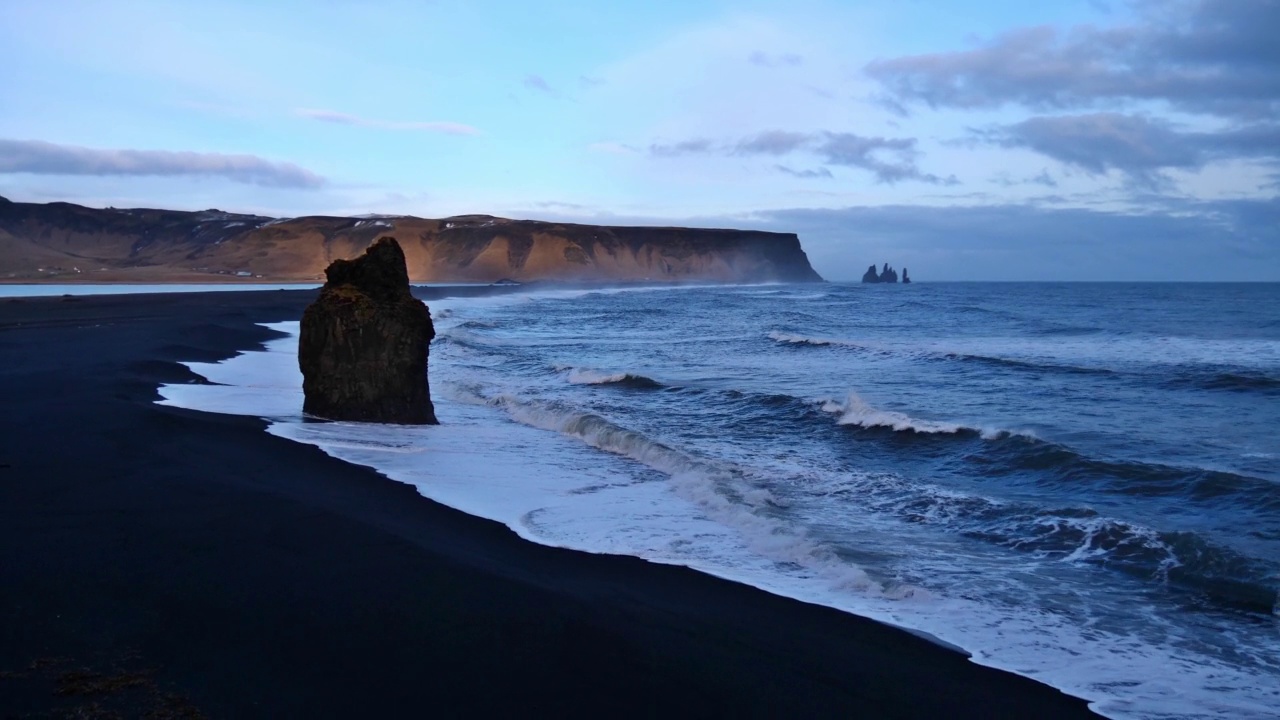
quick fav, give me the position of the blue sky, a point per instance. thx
(1080, 139)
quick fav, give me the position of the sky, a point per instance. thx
(973, 140)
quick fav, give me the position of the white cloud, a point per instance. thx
(332, 116)
(537, 82)
(612, 148)
(45, 158)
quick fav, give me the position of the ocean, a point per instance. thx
(21, 290)
(1075, 482)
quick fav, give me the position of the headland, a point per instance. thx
(62, 242)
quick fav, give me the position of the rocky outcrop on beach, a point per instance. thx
(363, 347)
(887, 275)
(62, 242)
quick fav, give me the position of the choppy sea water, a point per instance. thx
(1076, 482)
(50, 289)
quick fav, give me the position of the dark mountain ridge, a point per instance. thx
(66, 242)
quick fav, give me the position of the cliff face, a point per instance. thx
(62, 242)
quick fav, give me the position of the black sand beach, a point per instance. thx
(160, 560)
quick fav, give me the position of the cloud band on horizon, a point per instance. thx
(45, 158)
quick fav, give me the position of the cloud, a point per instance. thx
(44, 158)
(773, 142)
(536, 82)
(764, 59)
(821, 92)
(869, 153)
(891, 160)
(697, 146)
(612, 148)
(1216, 57)
(588, 81)
(557, 205)
(807, 174)
(1136, 145)
(1043, 178)
(330, 116)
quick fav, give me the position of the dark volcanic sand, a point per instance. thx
(154, 558)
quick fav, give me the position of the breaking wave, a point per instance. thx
(791, 339)
(1023, 454)
(853, 410)
(582, 376)
(1079, 535)
(726, 493)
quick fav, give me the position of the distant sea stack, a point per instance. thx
(888, 275)
(905, 278)
(61, 242)
(364, 343)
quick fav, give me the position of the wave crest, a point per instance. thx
(791, 339)
(1242, 381)
(855, 411)
(582, 376)
(723, 492)
(1079, 535)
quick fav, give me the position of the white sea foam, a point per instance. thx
(786, 293)
(853, 410)
(538, 467)
(723, 493)
(865, 345)
(793, 339)
(583, 376)
(588, 376)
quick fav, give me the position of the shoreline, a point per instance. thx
(258, 576)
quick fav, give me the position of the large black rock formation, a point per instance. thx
(363, 349)
(888, 275)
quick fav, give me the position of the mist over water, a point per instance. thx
(1076, 482)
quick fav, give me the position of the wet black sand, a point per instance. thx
(161, 560)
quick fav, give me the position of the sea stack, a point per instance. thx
(905, 277)
(888, 275)
(363, 348)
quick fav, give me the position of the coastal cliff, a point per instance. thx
(63, 242)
